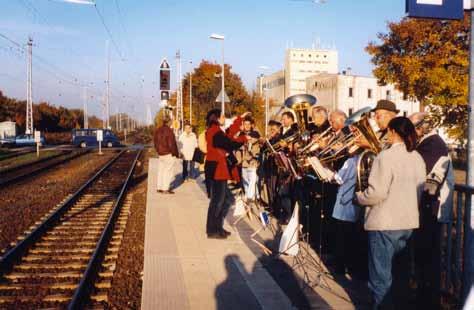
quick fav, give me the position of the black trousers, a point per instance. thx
(221, 200)
(186, 169)
(345, 240)
(428, 260)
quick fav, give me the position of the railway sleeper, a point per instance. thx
(48, 266)
(66, 244)
(68, 238)
(15, 276)
(80, 224)
(56, 259)
(75, 230)
(34, 286)
(61, 251)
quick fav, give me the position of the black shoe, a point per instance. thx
(170, 192)
(226, 232)
(160, 191)
(217, 235)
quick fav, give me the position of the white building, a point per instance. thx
(300, 63)
(315, 72)
(7, 129)
(273, 86)
(350, 93)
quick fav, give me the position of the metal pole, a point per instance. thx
(266, 111)
(29, 89)
(107, 107)
(177, 88)
(223, 91)
(191, 96)
(469, 252)
(181, 111)
(84, 107)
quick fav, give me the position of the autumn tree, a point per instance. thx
(46, 117)
(206, 85)
(427, 60)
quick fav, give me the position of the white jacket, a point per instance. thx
(187, 144)
(443, 169)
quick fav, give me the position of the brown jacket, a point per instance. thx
(165, 141)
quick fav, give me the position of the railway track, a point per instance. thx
(67, 261)
(16, 174)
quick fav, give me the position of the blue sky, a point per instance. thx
(70, 39)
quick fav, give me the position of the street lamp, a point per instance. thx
(221, 38)
(264, 68)
(191, 93)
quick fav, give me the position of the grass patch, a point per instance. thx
(28, 158)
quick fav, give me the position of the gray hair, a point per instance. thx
(338, 114)
(421, 120)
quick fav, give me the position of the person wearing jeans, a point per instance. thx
(394, 190)
(187, 143)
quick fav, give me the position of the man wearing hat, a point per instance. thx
(384, 111)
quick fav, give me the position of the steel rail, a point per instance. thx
(82, 292)
(19, 249)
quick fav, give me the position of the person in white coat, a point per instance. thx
(187, 144)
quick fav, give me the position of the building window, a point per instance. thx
(350, 92)
(309, 55)
(325, 56)
(405, 113)
(351, 110)
(302, 55)
(369, 93)
(388, 95)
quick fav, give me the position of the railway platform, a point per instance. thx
(185, 270)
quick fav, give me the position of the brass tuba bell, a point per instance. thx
(300, 104)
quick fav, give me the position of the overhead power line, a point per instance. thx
(117, 49)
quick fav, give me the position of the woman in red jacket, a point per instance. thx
(218, 172)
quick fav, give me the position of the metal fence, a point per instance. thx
(455, 238)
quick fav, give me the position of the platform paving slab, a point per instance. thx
(185, 270)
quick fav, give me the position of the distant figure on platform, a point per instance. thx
(165, 145)
(188, 143)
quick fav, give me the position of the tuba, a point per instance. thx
(300, 104)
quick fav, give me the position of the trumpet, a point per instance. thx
(316, 143)
(357, 126)
(282, 143)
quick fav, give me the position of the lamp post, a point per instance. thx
(191, 94)
(266, 98)
(221, 38)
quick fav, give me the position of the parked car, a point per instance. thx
(27, 140)
(88, 137)
(7, 141)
